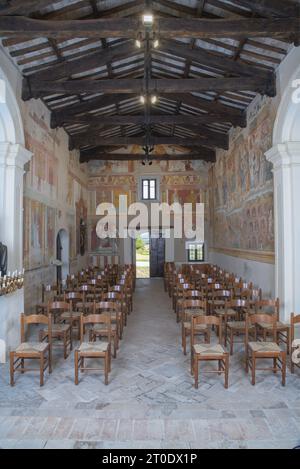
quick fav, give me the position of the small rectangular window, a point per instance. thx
(149, 189)
(196, 252)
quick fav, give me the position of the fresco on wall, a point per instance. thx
(243, 190)
(50, 233)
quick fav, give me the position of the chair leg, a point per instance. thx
(115, 346)
(192, 360)
(196, 371)
(283, 367)
(106, 367)
(288, 341)
(231, 341)
(65, 339)
(275, 365)
(226, 362)
(50, 360)
(183, 339)
(42, 369)
(22, 365)
(76, 366)
(12, 368)
(253, 369)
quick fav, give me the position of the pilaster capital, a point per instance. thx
(284, 155)
(14, 155)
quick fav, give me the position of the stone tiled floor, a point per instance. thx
(150, 402)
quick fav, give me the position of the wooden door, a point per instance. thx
(157, 257)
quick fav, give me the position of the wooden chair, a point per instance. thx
(295, 321)
(59, 330)
(283, 330)
(189, 295)
(72, 316)
(263, 349)
(92, 350)
(114, 309)
(236, 328)
(209, 352)
(193, 308)
(41, 351)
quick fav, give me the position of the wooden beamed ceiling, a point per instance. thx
(213, 57)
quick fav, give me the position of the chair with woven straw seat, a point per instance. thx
(191, 308)
(114, 309)
(209, 352)
(264, 350)
(216, 296)
(60, 331)
(283, 330)
(93, 349)
(73, 315)
(238, 327)
(189, 295)
(49, 293)
(295, 322)
(41, 351)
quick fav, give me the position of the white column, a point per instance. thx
(286, 161)
(13, 157)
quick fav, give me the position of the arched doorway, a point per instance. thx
(285, 156)
(62, 254)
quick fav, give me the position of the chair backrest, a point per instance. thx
(221, 294)
(208, 321)
(269, 305)
(237, 303)
(106, 306)
(193, 305)
(27, 320)
(261, 318)
(295, 319)
(59, 307)
(92, 319)
(48, 289)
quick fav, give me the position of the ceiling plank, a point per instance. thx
(99, 140)
(218, 61)
(37, 89)
(281, 8)
(85, 63)
(164, 27)
(24, 7)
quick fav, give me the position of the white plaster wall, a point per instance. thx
(260, 273)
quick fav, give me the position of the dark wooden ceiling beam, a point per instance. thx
(37, 89)
(98, 140)
(179, 119)
(164, 27)
(204, 155)
(217, 111)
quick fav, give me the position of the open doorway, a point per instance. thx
(142, 255)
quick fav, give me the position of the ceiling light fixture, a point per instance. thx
(148, 19)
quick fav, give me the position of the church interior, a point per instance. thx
(158, 341)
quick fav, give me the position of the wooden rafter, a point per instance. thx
(164, 27)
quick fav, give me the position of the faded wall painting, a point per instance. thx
(242, 194)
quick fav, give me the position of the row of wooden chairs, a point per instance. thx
(104, 319)
(237, 308)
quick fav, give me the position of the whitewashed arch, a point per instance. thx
(285, 156)
(11, 125)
